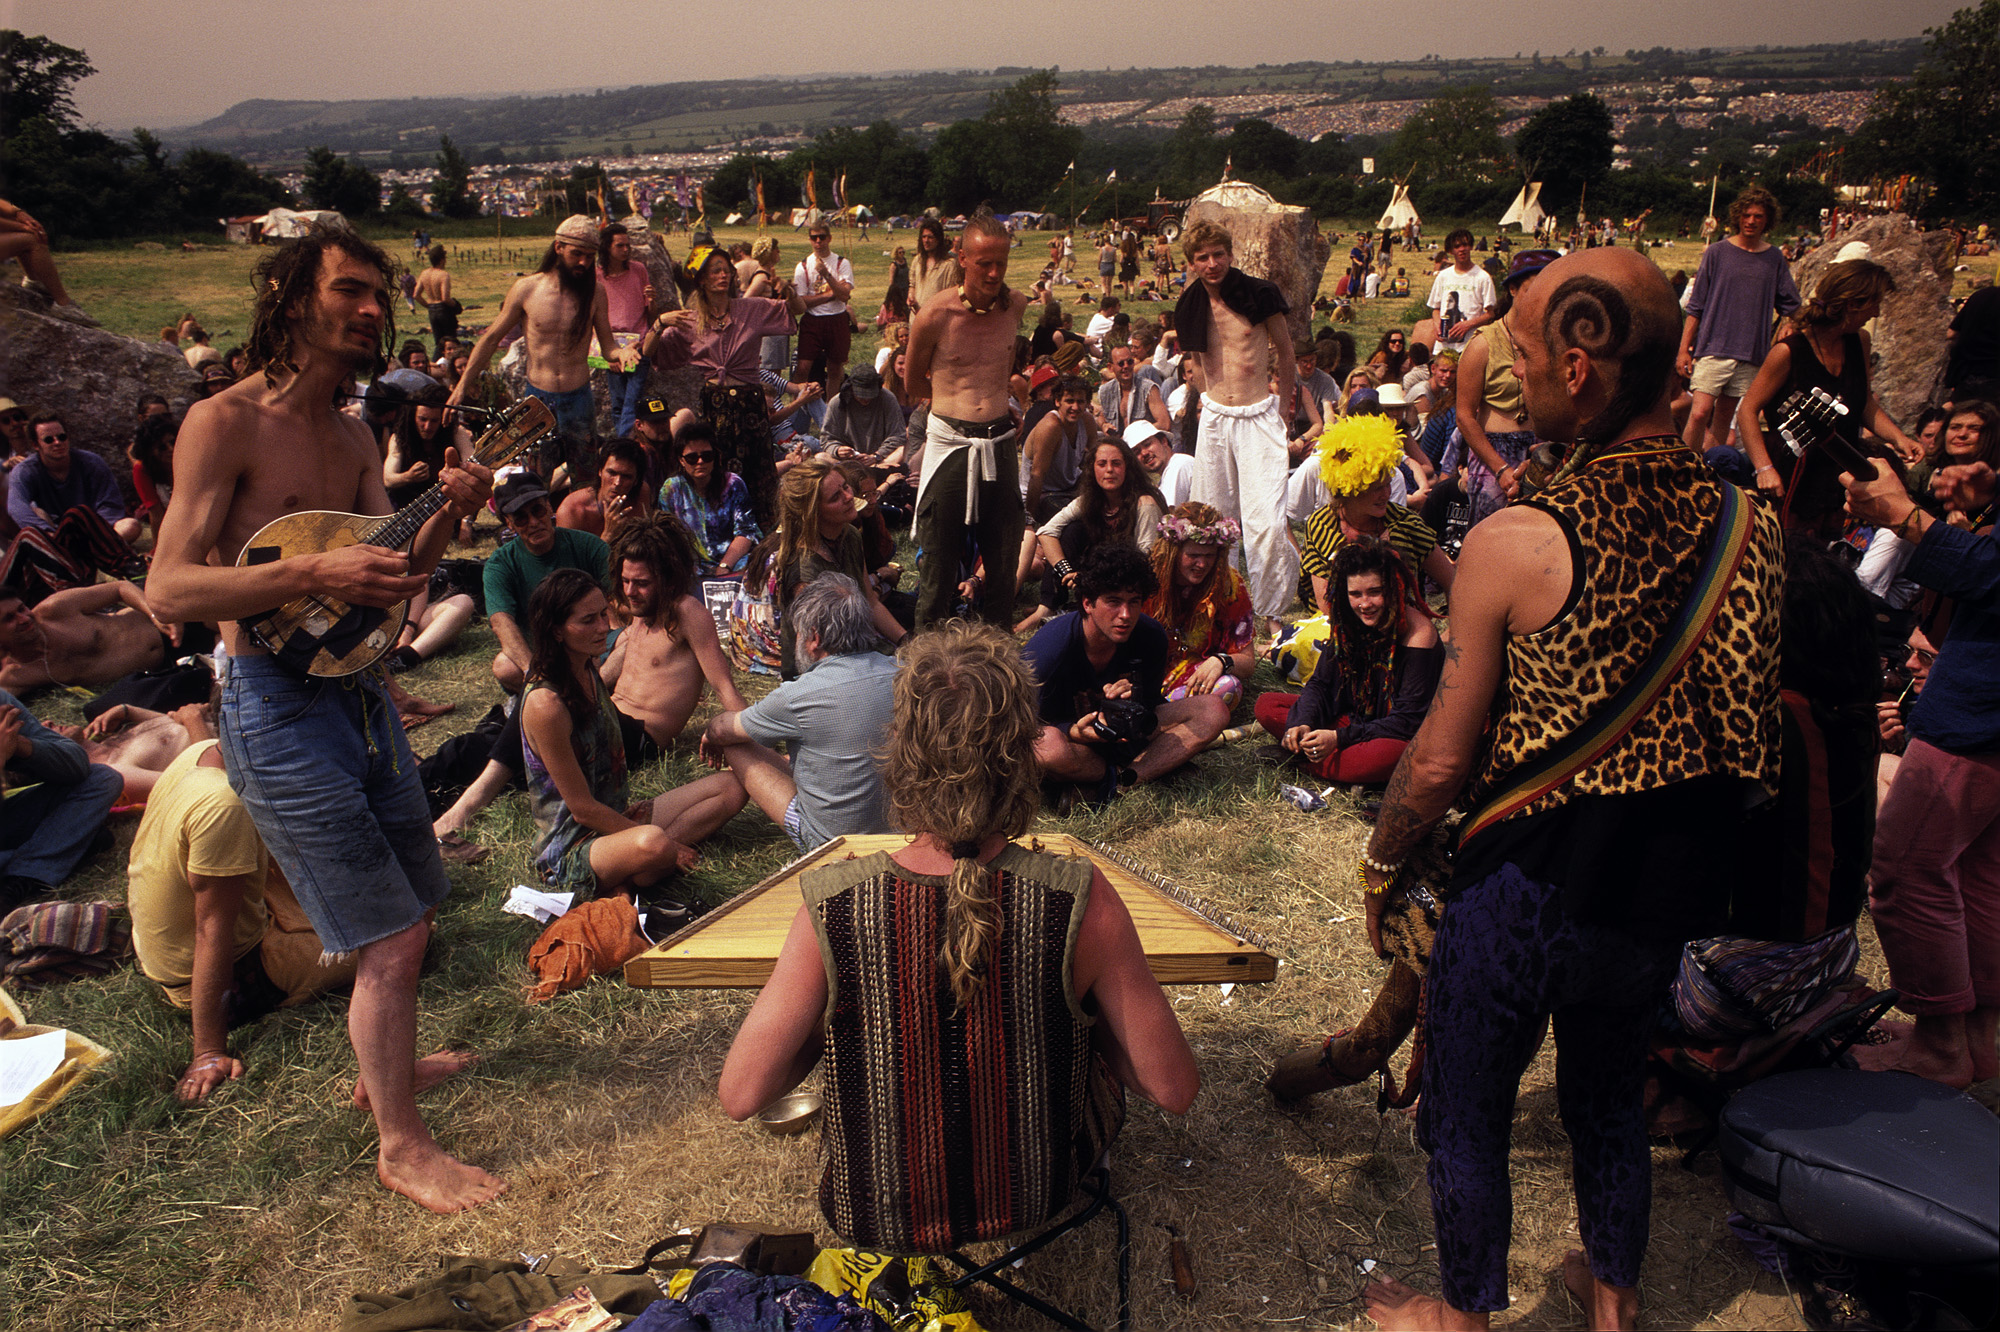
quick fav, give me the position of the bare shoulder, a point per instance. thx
(693, 618)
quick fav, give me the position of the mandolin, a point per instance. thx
(325, 636)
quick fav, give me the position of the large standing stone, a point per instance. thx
(1909, 333)
(1277, 242)
(93, 377)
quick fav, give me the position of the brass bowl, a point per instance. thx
(791, 1114)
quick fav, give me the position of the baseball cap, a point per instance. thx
(1391, 395)
(217, 370)
(9, 405)
(517, 492)
(654, 410)
(867, 382)
(1854, 250)
(1044, 374)
(1528, 263)
(578, 229)
(1138, 432)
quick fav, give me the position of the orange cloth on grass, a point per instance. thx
(590, 939)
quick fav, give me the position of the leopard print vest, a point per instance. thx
(1639, 517)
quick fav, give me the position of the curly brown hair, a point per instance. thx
(1755, 197)
(960, 765)
(287, 282)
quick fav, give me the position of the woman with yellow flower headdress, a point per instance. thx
(1357, 454)
(721, 333)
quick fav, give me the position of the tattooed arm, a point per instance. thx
(1513, 578)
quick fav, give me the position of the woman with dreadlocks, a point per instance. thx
(978, 1003)
(1375, 676)
(1203, 604)
(721, 333)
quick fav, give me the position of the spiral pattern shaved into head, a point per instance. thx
(1630, 343)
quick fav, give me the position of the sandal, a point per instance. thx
(456, 850)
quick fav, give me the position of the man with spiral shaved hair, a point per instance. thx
(1573, 904)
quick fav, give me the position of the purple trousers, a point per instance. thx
(1506, 958)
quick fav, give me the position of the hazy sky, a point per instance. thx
(176, 63)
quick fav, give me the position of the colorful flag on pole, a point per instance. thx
(812, 190)
(1113, 176)
(760, 203)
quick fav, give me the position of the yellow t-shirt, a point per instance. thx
(193, 824)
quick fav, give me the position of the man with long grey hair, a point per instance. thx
(833, 718)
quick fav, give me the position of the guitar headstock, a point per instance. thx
(520, 427)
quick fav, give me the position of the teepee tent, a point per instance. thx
(1526, 210)
(1400, 213)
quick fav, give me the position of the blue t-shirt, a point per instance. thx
(836, 716)
(1071, 686)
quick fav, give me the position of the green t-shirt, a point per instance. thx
(513, 572)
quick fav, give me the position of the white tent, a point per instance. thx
(1526, 210)
(285, 224)
(1400, 213)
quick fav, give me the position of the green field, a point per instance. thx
(125, 1210)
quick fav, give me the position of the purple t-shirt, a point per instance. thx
(731, 351)
(1733, 295)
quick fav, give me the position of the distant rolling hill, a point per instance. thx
(676, 116)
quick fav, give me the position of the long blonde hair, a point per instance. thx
(960, 765)
(798, 514)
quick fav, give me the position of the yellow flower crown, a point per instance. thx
(1357, 451)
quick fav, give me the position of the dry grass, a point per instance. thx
(123, 1210)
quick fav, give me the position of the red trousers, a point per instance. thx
(1364, 764)
(1936, 881)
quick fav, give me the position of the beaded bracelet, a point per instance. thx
(1378, 866)
(1361, 877)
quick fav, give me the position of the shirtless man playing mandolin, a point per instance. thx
(961, 348)
(322, 764)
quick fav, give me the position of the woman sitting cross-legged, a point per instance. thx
(1375, 677)
(591, 841)
(981, 1006)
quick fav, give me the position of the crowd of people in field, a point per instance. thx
(1418, 567)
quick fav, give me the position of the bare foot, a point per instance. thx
(1982, 1026)
(1394, 1306)
(1605, 1307)
(409, 705)
(1907, 1055)
(438, 1182)
(431, 1070)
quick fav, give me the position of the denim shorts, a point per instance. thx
(574, 411)
(328, 778)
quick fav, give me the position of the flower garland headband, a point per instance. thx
(1355, 452)
(1223, 532)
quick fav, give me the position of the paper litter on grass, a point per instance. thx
(27, 1062)
(536, 904)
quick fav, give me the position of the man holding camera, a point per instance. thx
(1106, 724)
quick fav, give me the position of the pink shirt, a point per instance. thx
(626, 295)
(729, 352)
